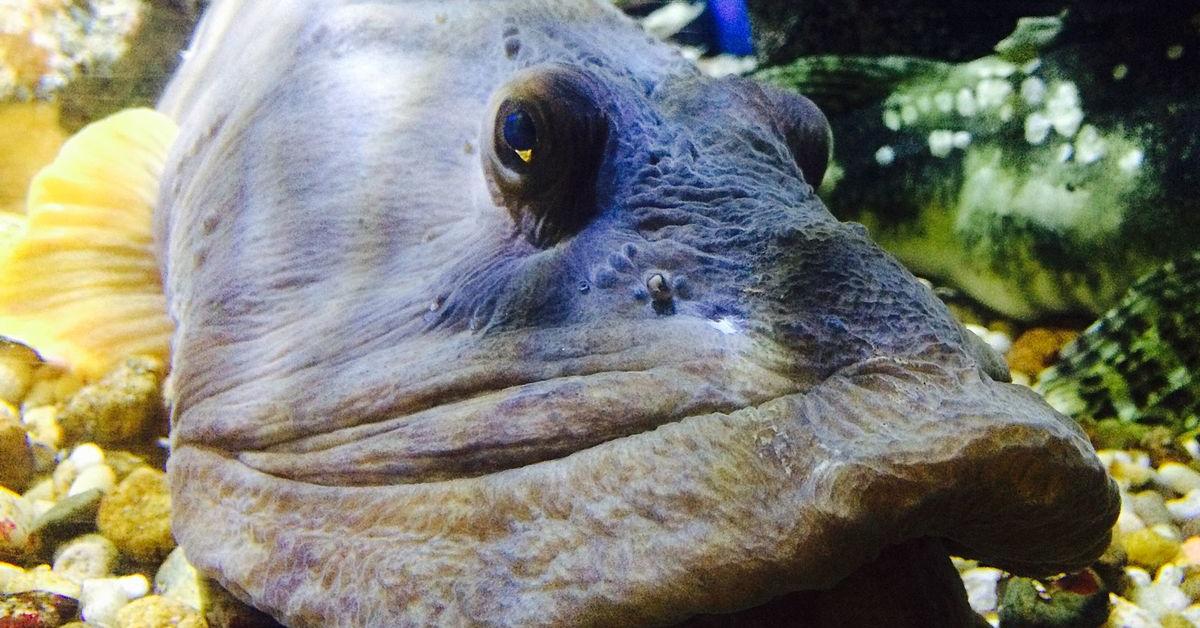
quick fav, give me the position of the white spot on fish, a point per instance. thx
(961, 139)
(1089, 145)
(885, 155)
(1063, 109)
(1033, 90)
(944, 101)
(1037, 128)
(891, 119)
(941, 142)
(1131, 161)
(1174, 52)
(964, 103)
(1120, 71)
(990, 93)
(724, 325)
(1065, 151)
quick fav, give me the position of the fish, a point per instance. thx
(504, 314)
(1029, 179)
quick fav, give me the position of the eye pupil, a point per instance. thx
(519, 132)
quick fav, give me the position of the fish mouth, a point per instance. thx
(526, 420)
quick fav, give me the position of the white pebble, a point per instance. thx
(1161, 599)
(1063, 109)
(88, 556)
(101, 598)
(964, 103)
(885, 155)
(179, 580)
(1130, 162)
(1178, 477)
(1128, 520)
(99, 476)
(1138, 577)
(1065, 151)
(962, 139)
(1033, 90)
(909, 115)
(980, 583)
(86, 455)
(1126, 614)
(1089, 145)
(1186, 507)
(941, 142)
(1169, 573)
(1037, 128)
(924, 103)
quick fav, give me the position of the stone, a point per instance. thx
(156, 611)
(1126, 614)
(88, 556)
(43, 578)
(98, 477)
(118, 408)
(1037, 348)
(135, 516)
(1178, 477)
(980, 584)
(69, 517)
(1148, 548)
(44, 434)
(1186, 507)
(16, 457)
(1163, 596)
(17, 363)
(36, 609)
(1150, 507)
(17, 540)
(51, 386)
(101, 598)
(179, 580)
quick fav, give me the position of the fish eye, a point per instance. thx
(520, 133)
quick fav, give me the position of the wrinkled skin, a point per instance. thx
(410, 386)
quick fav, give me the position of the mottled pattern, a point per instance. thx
(401, 396)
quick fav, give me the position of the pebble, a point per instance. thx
(17, 540)
(1149, 548)
(42, 578)
(17, 363)
(17, 467)
(135, 515)
(88, 556)
(98, 477)
(1186, 507)
(51, 386)
(1126, 614)
(36, 609)
(154, 611)
(101, 598)
(69, 517)
(120, 407)
(1151, 507)
(179, 580)
(1178, 477)
(44, 434)
(1163, 596)
(980, 583)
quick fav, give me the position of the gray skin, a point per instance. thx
(645, 377)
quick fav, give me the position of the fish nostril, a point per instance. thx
(659, 289)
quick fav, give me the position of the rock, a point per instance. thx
(156, 611)
(980, 584)
(1190, 528)
(98, 477)
(101, 598)
(51, 386)
(1186, 507)
(1175, 620)
(69, 517)
(1191, 551)
(16, 457)
(89, 556)
(1037, 348)
(123, 462)
(36, 609)
(1074, 600)
(1150, 507)
(119, 407)
(1178, 477)
(135, 516)
(1126, 614)
(1131, 475)
(1148, 548)
(17, 363)
(1163, 596)
(42, 578)
(179, 580)
(17, 540)
(44, 434)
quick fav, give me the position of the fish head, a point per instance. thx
(526, 319)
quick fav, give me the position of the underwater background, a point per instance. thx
(1035, 161)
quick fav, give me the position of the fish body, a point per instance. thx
(1043, 180)
(502, 314)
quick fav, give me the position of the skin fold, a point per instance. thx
(644, 375)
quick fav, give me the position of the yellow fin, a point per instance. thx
(81, 284)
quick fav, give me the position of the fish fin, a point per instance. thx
(845, 83)
(80, 284)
